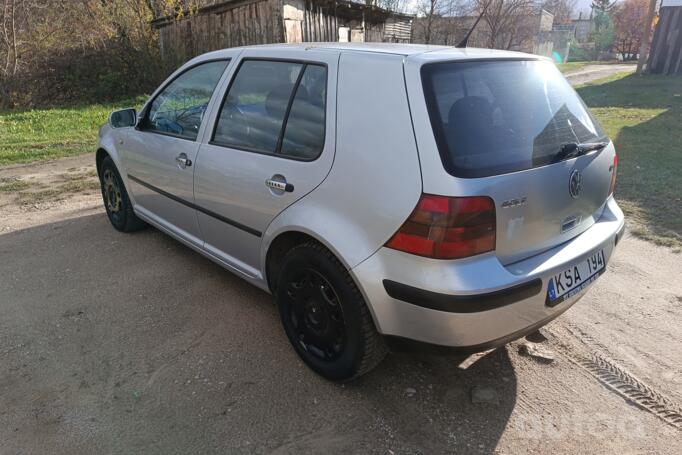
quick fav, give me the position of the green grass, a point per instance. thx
(13, 185)
(78, 175)
(40, 134)
(58, 192)
(643, 117)
(78, 186)
(573, 66)
(37, 197)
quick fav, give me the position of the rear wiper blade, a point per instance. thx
(573, 149)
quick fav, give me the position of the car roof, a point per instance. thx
(425, 52)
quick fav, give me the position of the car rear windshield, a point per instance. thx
(496, 117)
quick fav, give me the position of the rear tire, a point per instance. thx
(325, 316)
(116, 201)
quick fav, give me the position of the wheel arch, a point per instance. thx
(106, 148)
(99, 157)
(281, 243)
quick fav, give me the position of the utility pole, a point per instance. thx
(646, 36)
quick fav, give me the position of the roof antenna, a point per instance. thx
(465, 40)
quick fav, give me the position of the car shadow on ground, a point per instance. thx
(135, 343)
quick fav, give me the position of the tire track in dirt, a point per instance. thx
(617, 379)
(632, 389)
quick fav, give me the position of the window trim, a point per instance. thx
(145, 112)
(436, 127)
(277, 153)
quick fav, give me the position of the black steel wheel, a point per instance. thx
(324, 315)
(316, 315)
(116, 200)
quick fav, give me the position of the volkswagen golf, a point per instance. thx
(384, 194)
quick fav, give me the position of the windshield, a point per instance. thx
(496, 117)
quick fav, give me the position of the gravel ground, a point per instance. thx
(115, 343)
(593, 72)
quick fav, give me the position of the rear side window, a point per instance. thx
(496, 117)
(179, 108)
(304, 132)
(275, 107)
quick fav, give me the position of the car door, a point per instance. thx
(271, 141)
(159, 154)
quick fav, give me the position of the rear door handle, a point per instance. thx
(279, 185)
(183, 161)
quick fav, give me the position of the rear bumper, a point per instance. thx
(475, 303)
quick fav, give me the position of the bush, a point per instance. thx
(581, 52)
(75, 51)
(74, 77)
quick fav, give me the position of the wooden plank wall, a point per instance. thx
(240, 24)
(398, 30)
(666, 49)
(246, 22)
(374, 32)
(319, 23)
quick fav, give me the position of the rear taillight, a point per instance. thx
(448, 227)
(614, 168)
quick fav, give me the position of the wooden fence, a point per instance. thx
(320, 23)
(233, 24)
(666, 49)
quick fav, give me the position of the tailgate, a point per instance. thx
(512, 129)
(536, 210)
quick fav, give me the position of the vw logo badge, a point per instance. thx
(575, 184)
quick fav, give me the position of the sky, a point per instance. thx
(581, 5)
(584, 6)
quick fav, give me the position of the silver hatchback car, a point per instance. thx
(383, 193)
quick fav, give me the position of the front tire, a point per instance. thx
(325, 316)
(116, 201)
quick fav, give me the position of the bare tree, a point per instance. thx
(430, 10)
(465, 40)
(646, 36)
(509, 22)
(14, 19)
(9, 38)
(561, 9)
(436, 24)
(629, 17)
(51, 49)
(399, 6)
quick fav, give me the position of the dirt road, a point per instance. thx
(114, 343)
(593, 72)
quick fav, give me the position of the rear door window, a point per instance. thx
(304, 132)
(496, 117)
(255, 106)
(275, 107)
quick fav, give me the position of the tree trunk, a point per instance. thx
(646, 36)
(10, 38)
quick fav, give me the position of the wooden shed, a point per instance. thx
(665, 56)
(243, 22)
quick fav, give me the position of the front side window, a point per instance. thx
(496, 117)
(275, 107)
(179, 108)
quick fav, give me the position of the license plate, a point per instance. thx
(574, 279)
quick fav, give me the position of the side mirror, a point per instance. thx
(123, 118)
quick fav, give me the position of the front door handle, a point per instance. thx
(279, 185)
(183, 161)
